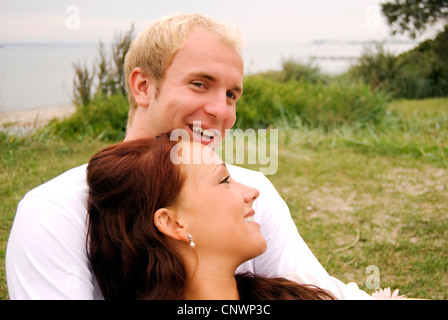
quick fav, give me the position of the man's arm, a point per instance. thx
(286, 252)
(46, 256)
(46, 251)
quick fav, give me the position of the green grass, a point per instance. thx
(355, 210)
(359, 196)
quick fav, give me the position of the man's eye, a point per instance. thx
(198, 84)
(230, 95)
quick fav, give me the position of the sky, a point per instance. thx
(260, 21)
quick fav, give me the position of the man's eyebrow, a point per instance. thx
(213, 79)
(238, 89)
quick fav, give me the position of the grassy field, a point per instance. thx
(359, 197)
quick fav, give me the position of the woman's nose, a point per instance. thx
(250, 194)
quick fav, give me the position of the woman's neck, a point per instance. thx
(209, 276)
(212, 286)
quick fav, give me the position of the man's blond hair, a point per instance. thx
(154, 49)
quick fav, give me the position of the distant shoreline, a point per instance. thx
(386, 40)
(34, 117)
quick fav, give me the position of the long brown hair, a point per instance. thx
(128, 182)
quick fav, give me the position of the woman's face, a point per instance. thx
(217, 209)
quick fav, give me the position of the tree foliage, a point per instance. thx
(419, 73)
(414, 16)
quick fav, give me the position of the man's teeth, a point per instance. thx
(207, 132)
(249, 219)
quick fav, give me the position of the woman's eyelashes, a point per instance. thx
(225, 180)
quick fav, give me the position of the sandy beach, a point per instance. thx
(34, 117)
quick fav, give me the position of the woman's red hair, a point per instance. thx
(128, 182)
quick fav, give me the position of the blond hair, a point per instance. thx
(154, 49)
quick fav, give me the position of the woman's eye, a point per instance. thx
(226, 180)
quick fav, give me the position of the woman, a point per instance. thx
(160, 230)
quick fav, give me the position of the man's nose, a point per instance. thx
(218, 106)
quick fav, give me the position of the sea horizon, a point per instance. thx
(37, 75)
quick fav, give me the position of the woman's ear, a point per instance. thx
(142, 87)
(167, 222)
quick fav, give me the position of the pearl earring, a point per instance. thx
(192, 244)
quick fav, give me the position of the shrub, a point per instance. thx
(265, 102)
(342, 103)
(293, 70)
(418, 73)
(376, 67)
(296, 96)
(110, 78)
(104, 118)
(268, 103)
(82, 84)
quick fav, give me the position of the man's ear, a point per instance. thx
(167, 222)
(142, 87)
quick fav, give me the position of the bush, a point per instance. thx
(344, 104)
(104, 119)
(376, 67)
(82, 84)
(267, 103)
(293, 97)
(418, 73)
(110, 78)
(293, 70)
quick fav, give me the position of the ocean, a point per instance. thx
(35, 76)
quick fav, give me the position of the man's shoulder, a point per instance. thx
(56, 208)
(251, 178)
(71, 183)
(244, 175)
(269, 195)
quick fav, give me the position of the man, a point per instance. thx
(181, 70)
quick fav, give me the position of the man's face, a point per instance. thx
(202, 85)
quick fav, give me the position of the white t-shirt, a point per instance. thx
(46, 256)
